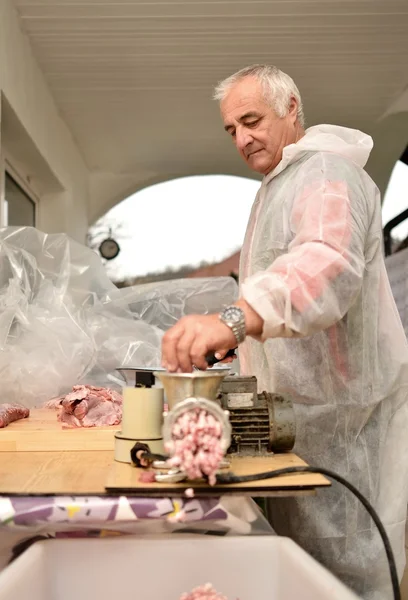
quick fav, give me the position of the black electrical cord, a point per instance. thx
(226, 478)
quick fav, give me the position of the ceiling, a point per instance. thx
(134, 80)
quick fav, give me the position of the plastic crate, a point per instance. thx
(244, 568)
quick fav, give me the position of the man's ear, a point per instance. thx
(293, 108)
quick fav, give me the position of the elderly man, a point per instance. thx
(316, 320)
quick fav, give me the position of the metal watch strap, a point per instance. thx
(238, 329)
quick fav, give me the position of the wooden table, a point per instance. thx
(54, 472)
(88, 473)
(42, 432)
(38, 456)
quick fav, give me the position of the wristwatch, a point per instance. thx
(234, 318)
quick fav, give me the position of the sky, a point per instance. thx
(180, 222)
(202, 218)
(396, 199)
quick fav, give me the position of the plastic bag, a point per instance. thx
(163, 304)
(63, 322)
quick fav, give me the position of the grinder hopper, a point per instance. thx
(199, 384)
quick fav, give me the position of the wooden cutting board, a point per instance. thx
(125, 479)
(41, 432)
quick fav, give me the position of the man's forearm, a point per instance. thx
(253, 322)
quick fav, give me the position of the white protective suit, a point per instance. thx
(312, 266)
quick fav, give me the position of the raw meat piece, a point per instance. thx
(197, 450)
(12, 412)
(204, 592)
(147, 477)
(88, 406)
(54, 402)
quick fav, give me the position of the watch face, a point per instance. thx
(109, 249)
(233, 314)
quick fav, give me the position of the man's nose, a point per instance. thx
(243, 139)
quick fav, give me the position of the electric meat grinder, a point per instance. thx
(252, 423)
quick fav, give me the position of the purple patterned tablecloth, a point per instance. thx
(25, 519)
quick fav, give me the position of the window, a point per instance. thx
(19, 208)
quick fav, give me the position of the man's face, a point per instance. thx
(258, 133)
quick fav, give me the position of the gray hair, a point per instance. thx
(278, 88)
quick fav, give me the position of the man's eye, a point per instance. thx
(252, 124)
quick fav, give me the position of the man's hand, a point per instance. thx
(221, 354)
(192, 339)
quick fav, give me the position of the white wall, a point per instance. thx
(34, 136)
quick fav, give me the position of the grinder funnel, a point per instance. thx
(199, 384)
